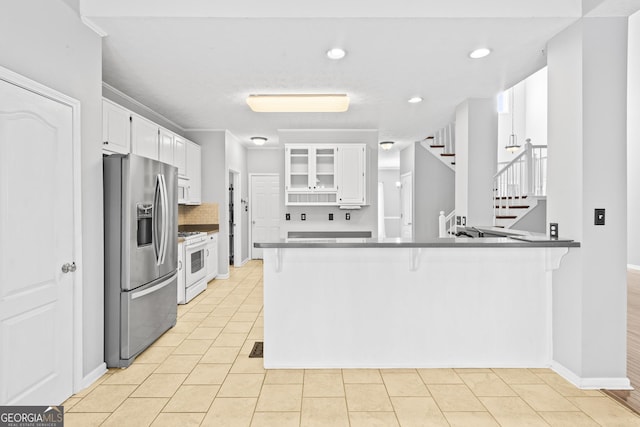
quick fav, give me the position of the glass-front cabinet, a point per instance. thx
(310, 172)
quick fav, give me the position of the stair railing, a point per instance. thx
(525, 176)
(447, 224)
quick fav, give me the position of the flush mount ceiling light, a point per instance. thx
(258, 140)
(415, 100)
(480, 53)
(336, 53)
(386, 145)
(299, 103)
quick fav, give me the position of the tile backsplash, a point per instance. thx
(206, 213)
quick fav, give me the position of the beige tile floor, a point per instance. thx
(198, 373)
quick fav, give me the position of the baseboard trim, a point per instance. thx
(244, 261)
(613, 383)
(92, 376)
(222, 276)
(633, 267)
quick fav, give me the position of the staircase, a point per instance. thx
(442, 145)
(520, 185)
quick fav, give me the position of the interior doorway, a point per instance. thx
(265, 210)
(235, 219)
(406, 205)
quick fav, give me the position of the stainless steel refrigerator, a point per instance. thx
(141, 254)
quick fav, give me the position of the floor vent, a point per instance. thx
(257, 349)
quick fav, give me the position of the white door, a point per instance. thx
(36, 240)
(406, 207)
(265, 211)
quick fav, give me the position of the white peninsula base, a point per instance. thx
(386, 307)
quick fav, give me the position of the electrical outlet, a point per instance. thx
(464, 221)
(330, 217)
(303, 217)
(347, 216)
(553, 231)
(287, 217)
(598, 217)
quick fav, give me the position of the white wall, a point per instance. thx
(214, 182)
(236, 156)
(317, 217)
(433, 190)
(587, 76)
(476, 134)
(530, 121)
(389, 178)
(633, 143)
(46, 41)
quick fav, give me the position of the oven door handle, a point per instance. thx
(195, 247)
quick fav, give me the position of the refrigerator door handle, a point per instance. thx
(154, 288)
(157, 203)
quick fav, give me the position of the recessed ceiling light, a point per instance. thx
(299, 103)
(336, 53)
(415, 100)
(258, 140)
(480, 53)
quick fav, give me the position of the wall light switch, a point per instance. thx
(303, 217)
(458, 220)
(553, 231)
(598, 217)
(330, 217)
(464, 221)
(287, 217)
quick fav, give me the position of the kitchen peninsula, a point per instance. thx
(392, 303)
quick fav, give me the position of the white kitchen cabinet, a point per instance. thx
(194, 172)
(116, 128)
(212, 256)
(144, 137)
(180, 154)
(310, 174)
(166, 147)
(181, 274)
(352, 179)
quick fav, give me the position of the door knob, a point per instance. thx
(69, 268)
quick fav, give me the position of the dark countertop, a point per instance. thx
(208, 228)
(457, 242)
(494, 238)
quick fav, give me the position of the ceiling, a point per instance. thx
(196, 61)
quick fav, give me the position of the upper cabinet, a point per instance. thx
(166, 146)
(180, 155)
(126, 132)
(352, 180)
(144, 137)
(194, 173)
(313, 174)
(116, 128)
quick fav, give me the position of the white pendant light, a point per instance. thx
(512, 145)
